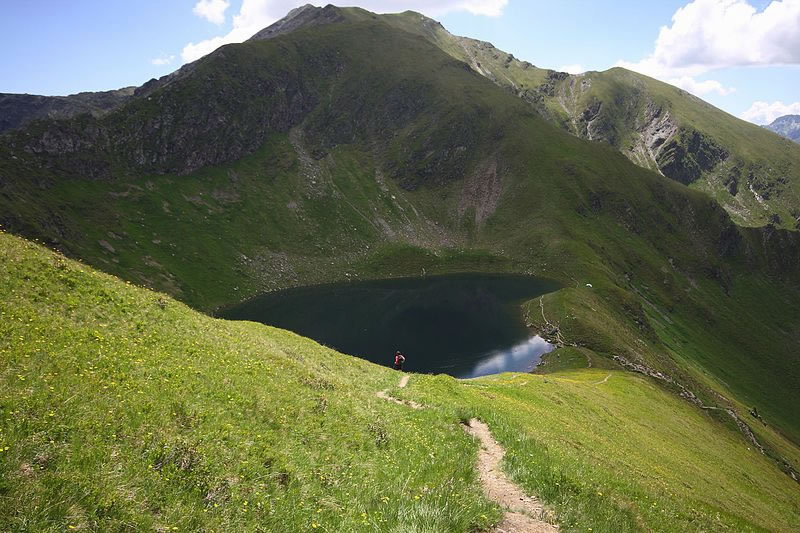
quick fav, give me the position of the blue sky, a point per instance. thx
(741, 55)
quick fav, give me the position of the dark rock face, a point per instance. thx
(688, 154)
(731, 181)
(777, 250)
(18, 109)
(548, 87)
(555, 75)
(592, 124)
(591, 112)
(196, 121)
(787, 126)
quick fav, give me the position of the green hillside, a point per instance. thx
(356, 150)
(124, 409)
(753, 174)
(421, 164)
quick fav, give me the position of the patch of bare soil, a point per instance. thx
(602, 380)
(525, 514)
(481, 192)
(384, 395)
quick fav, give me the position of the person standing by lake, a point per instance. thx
(399, 359)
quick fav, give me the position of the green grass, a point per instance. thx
(124, 409)
(404, 171)
(621, 455)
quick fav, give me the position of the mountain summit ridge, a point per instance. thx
(754, 176)
(658, 127)
(300, 17)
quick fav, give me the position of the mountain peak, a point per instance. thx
(786, 126)
(301, 17)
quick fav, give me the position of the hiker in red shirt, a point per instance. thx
(399, 359)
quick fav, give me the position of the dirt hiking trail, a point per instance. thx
(602, 380)
(384, 395)
(524, 514)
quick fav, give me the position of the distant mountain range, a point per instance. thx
(787, 126)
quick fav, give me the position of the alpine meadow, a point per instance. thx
(339, 146)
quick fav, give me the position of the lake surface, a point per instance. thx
(464, 325)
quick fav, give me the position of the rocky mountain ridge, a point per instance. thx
(786, 126)
(18, 109)
(655, 125)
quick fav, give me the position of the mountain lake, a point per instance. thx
(464, 325)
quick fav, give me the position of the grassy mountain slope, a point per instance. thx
(356, 149)
(753, 174)
(122, 408)
(422, 165)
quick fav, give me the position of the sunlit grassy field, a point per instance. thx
(123, 409)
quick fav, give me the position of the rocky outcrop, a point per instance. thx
(587, 122)
(19, 109)
(688, 154)
(653, 133)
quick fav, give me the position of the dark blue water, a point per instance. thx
(464, 325)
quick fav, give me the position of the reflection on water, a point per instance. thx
(463, 325)
(521, 357)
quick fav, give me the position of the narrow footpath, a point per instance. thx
(524, 514)
(384, 395)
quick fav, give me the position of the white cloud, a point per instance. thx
(711, 34)
(163, 59)
(765, 113)
(707, 35)
(700, 88)
(212, 10)
(255, 15)
(572, 69)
